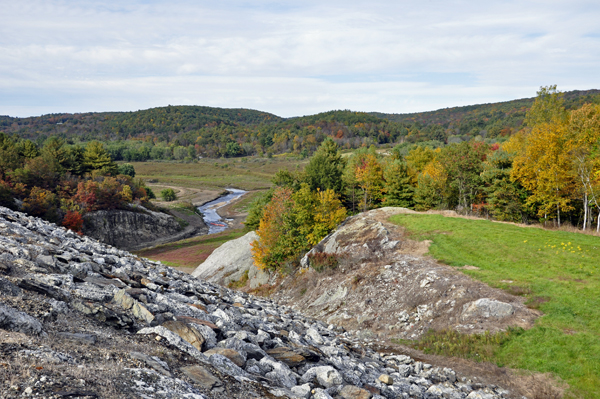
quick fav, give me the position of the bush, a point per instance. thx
(127, 169)
(322, 261)
(168, 194)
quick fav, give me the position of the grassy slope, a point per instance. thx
(557, 271)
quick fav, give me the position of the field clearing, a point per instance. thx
(556, 271)
(214, 174)
(186, 255)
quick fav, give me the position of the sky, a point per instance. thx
(290, 58)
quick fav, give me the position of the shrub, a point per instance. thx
(322, 261)
(127, 169)
(73, 221)
(168, 194)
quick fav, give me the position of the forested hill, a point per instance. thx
(491, 116)
(184, 132)
(162, 121)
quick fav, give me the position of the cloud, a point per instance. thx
(293, 58)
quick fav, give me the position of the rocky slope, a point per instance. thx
(136, 230)
(79, 318)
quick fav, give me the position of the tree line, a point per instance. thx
(61, 182)
(187, 132)
(549, 172)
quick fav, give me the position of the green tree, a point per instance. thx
(548, 107)
(397, 187)
(463, 165)
(97, 158)
(505, 198)
(325, 168)
(126, 169)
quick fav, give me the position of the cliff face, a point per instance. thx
(135, 230)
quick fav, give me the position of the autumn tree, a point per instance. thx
(463, 165)
(548, 107)
(584, 148)
(431, 187)
(369, 176)
(543, 166)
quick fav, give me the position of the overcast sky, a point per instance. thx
(290, 58)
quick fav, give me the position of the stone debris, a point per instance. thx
(211, 342)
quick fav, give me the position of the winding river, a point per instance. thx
(213, 220)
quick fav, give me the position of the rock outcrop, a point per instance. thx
(84, 319)
(385, 287)
(133, 230)
(231, 261)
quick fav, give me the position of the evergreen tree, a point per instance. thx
(97, 158)
(397, 188)
(325, 168)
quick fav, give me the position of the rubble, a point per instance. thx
(83, 319)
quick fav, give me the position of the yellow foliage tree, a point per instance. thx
(543, 166)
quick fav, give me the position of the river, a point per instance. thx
(213, 220)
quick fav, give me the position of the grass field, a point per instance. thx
(558, 272)
(186, 255)
(242, 173)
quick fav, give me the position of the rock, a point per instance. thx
(287, 356)
(139, 311)
(153, 362)
(190, 334)
(13, 320)
(325, 376)
(132, 230)
(229, 262)
(230, 354)
(257, 277)
(353, 392)
(201, 376)
(8, 288)
(301, 391)
(89, 339)
(487, 308)
(386, 379)
(321, 394)
(123, 299)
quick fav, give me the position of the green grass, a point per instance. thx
(243, 173)
(558, 273)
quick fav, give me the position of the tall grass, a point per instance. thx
(558, 273)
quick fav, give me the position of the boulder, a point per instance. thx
(230, 261)
(486, 307)
(13, 320)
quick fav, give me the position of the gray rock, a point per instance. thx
(302, 391)
(89, 339)
(8, 288)
(13, 320)
(228, 262)
(487, 308)
(325, 376)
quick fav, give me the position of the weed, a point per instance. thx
(236, 285)
(479, 347)
(322, 261)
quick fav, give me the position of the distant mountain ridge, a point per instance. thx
(183, 132)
